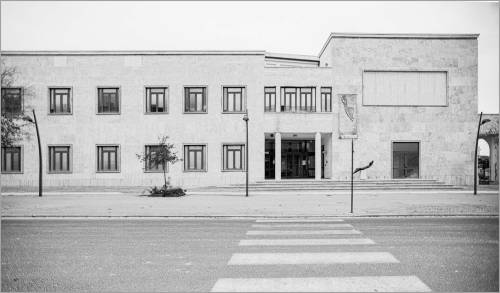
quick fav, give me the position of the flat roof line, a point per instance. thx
(132, 53)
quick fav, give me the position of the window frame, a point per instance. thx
(321, 99)
(70, 159)
(298, 97)
(166, 102)
(21, 160)
(184, 99)
(243, 157)
(119, 91)
(419, 158)
(243, 99)
(22, 99)
(118, 159)
(265, 100)
(205, 154)
(70, 98)
(145, 163)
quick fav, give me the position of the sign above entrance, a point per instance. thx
(348, 116)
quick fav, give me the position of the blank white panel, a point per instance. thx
(404, 88)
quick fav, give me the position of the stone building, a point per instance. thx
(406, 101)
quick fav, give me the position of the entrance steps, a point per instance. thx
(326, 185)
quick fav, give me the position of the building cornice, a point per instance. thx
(395, 36)
(127, 53)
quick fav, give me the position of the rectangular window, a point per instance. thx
(195, 100)
(59, 159)
(151, 165)
(326, 99)
(12, 100)
(195, 158)
(108, 159)
(270, 99)
(233, 100)
(405, 160)
(60, 100)
(233, 157)
(298, 99)
(156, 99)
(108, 101)
(405, 88)
(11, 160)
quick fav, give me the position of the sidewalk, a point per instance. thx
(366, 203)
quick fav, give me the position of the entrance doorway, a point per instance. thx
(297, 159)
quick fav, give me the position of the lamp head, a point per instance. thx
(245, 117)
(485, 121)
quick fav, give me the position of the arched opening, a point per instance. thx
(483, 162)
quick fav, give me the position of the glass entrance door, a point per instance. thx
(297, 159)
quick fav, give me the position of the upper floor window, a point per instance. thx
(195, 158)
(326, 99)
(12, 100)
(298, 99)
(233, 158)
(60, 100)
(108, 158)
(270, 99)
(59, 159)
(151, 164)
(11, 160)
(195, 99)
(108, 101)
(156, 99)
(233, 100)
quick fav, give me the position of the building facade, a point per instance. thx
(406, 101)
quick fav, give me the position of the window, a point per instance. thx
(405, 88)
(11, 160)
(195, 158)
(12, 101)
(233, 157)
(60, 100)
(405, 160)
(294, 99)
(108, 101)
(108, 159)
(151, 151)
(195, 100)
(233, 100)
(156, 100)
(326, 99)
(270, 99)
(59, 159)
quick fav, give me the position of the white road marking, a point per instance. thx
(336, 284)
(297, 220)
(303, 232)
(305, 242)
(307, 225)
(311, 258)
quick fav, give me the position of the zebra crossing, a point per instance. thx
(305, 234)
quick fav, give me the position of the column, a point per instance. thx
(277, 156)
(317, 157)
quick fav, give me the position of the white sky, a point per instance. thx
(285, 27)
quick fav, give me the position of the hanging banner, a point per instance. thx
(348, 116)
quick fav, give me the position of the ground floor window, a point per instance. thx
(11, 160)
(151, 162)
(195, 158)
(233, 157)
(108, 158)
(59, 159)
(405, 160)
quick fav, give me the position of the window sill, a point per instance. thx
(60, 114)
(206, 112)
(234, 112)
(108, 171)
(155, 113)
(298, 112)
(145, 171)
(194, 171)
(12, 172)
(234, 171)
(59, 172)
(112, 113)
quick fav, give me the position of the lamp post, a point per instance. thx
(245, 118)
(481, 122)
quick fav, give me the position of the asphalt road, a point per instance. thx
(446, 254)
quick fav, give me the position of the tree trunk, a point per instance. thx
(165, 181)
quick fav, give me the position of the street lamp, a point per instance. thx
(27, 118)
(481, 122)
(245, 118)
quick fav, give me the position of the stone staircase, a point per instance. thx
(326, 185)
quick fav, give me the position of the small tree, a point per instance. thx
(163, 154)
